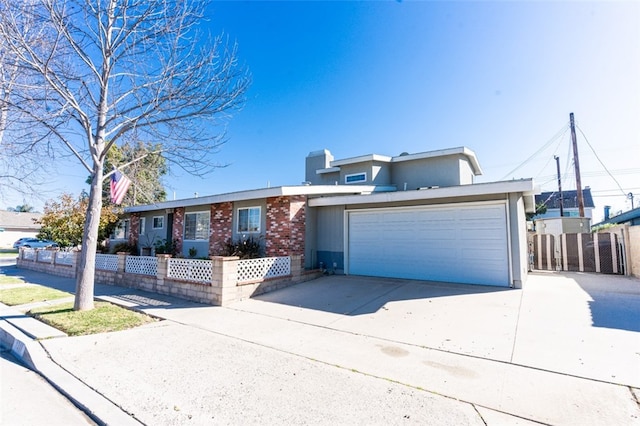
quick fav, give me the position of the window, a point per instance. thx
(356, 177)
(158, 222)
(196, 226)
(249, 219)
(143, 225)
(122, 230)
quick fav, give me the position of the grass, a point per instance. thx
(4, 279)
(6, 253)
(103, 318)
(29, 294)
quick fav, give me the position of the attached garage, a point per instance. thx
(463, 243)
(471, 234)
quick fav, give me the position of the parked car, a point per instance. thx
(34, 243)
(20, 241)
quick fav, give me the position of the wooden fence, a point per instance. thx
(598, 252)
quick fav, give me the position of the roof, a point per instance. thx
(253, 194)
(524, 186)
(20, 220)
(632, 216)
(569, 199)
(335, 164)
(323, 195)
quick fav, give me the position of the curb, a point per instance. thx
(32, 354)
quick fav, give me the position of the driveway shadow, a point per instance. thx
(358, 295)
(615, 300)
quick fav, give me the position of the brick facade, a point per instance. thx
(220, 226)
(134, 228)
(178, 228)
(285, 233)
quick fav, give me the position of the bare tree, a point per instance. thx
(20, 170)
(117, 68)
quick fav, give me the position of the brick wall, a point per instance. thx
(285, 231)
(220, 227)
(178, 227)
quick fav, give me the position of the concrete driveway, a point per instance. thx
(585, 325)
(563, 351)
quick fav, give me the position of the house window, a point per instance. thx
(355, 178)
(158, 222)
(249, 219)
(196, 226)
(122, 230)
(143, 225)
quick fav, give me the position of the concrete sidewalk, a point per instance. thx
(359, 350)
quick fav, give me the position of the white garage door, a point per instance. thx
(465, 244)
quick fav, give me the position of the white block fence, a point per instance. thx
(219, 281)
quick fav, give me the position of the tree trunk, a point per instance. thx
(87, 265)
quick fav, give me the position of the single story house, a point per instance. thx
(415, 216)
(16, 225)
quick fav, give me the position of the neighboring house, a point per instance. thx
(632, 217)
(569, 202)
(416, 216)
(16, 225)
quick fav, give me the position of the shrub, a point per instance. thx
(165, 247)
(244, 248)
(125, 247)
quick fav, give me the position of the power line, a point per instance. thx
(558, 134)
(601, 163)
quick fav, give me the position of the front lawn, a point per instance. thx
(29, 294)
(4, 279)
(103, 318)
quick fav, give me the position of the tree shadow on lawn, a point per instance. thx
(125, 296)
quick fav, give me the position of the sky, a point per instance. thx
(386, 77)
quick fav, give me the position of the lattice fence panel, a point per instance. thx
(190, 270)
(107, 262)
(266, 267)
(45, 256)
(64, 258)
(29, 254)
(144, 265)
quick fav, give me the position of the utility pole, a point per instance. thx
(576, 163)
(555, 157)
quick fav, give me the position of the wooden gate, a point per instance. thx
(598, 252)
(543, 255)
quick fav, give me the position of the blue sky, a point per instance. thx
(385, 77)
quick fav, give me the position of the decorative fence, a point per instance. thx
(219, 281)
(263, 268)
(143, 265)
(195, 270)
(65, 257)
(29, 254)
(107, 262)
(45, 255)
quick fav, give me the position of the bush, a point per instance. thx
(246, 248)
(125, 247)
(165, 247)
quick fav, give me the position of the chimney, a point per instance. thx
(607, 210)
(317, 160)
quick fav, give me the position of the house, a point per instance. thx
(414, 216)
(631, 217)
(16, 225)
(569, 202)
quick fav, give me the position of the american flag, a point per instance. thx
(119, 186)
